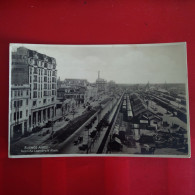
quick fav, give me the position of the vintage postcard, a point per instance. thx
(98, 100)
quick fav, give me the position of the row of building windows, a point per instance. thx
(46, 86)
(41, 63)
(42, 71)
(19, 93)
(39, 79)
(18, 115)
(45, 93)
(19, 103)
(44, 101)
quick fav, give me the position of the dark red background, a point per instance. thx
(95, 22)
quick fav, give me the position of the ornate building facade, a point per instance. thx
(39, 73)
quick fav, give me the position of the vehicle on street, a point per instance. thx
(49, 124)
(83, 147)
(148, 149)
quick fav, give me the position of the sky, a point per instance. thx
(130, 64)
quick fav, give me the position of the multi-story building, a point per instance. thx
(20, 119)
(39, 72)
(76, 93)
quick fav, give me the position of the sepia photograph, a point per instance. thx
(98, 100)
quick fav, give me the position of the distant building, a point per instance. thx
(147, 87)
(143, 116)
(78, 89)
(76, 82)
(76, 93)
(101, 84)
(38, 71)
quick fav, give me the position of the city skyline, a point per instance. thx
(136, 64)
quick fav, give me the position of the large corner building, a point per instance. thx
(33, 90)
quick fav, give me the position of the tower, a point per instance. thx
(147, 87)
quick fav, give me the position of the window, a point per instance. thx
(14, 115)
(27, 92)
(35, 62)
(21, 93)
(15, 104)
(45, 79)
(21, 103)
(34, 94)
(35, 78)
(26, 112)
(35, 86)
(44, 101)
(20, 114)
(26, 101)
(53, 86)
(35, 70)
(15, 93)
(45, 93)
(34, 103)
